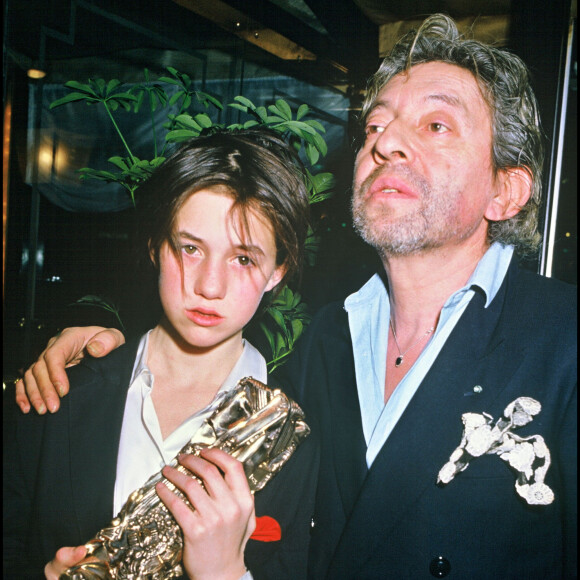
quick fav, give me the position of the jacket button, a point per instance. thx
(312, 525)
(439, 567)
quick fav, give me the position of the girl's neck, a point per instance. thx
(186, 366)
(186, 379)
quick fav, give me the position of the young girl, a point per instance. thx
(225, 222)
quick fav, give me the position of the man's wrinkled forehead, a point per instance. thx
(441, 92)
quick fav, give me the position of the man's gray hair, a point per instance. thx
(504, 82)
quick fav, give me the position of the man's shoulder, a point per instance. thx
(549, 294)
(543, 309)
(331, 318)
(550, 283)
(117, 364)
(332, 312)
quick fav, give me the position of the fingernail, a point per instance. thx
(52, 407)
(41, 410)
(95, 348)
(60, 389)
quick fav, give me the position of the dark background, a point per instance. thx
(53, 256)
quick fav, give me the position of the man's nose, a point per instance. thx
(392, 144)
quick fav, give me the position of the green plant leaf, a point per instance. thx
(269, 336)
(207, 99)
(186, 102)
(315, 125)
(170, 81)
(262, 112)
(204, 120)
(178, 135)
(321, 185)
(281, 344)
(320, 144)
(111, 86)
(86, 173)
(245, 102)
(297, 328)
(277, 316)
(322, 181)
(175, 98)
(101, 85)
(139, 101)
(119, 162)
(71, 98)
(187, 121)
(284, 109)
(302, 110)
(296, 300)
(312, 153)
(242, 108)
(93, 300)
(83, 87)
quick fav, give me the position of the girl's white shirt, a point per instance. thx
(142, 450)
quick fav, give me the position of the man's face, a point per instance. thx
(424, 177)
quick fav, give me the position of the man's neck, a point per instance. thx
(420, 284)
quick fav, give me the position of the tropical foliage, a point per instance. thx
(287, 314)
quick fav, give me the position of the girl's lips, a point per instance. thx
(204, 317)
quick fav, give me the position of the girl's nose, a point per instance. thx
(210, 280)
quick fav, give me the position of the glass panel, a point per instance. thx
(565, 261)
(559, 256)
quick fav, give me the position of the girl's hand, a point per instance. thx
(64, 559)
(216, 532)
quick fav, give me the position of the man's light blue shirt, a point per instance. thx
(369, 313)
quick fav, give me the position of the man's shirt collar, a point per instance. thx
(488, 276)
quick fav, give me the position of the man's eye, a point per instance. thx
(438, 128)
(189, 249)
(374, 129)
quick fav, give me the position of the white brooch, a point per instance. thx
(529, 456)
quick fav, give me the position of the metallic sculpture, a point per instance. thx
(258, 426)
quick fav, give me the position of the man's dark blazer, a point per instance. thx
(59, 477)
(393, 521)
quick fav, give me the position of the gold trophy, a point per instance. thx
(258, 426)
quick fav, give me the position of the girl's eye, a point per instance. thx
(244, 260)
(189, 249)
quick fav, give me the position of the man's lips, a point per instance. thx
(203, 317)
(390, 187)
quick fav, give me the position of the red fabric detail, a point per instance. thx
(267, 530)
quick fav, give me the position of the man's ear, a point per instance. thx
(514, 187)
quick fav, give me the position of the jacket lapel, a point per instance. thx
(336, 410)
(349, 449)
(96, 411)
(429, 430)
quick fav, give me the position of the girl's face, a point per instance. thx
(226, 270)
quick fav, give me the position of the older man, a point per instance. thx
(444, 390)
